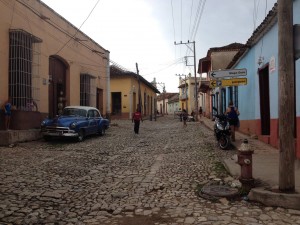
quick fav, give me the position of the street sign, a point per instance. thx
(227, 73)
(228, 82)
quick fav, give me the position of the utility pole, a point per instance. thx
(196, 88)
(139, 91)
(286, 97)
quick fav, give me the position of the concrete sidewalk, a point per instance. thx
(265, 170)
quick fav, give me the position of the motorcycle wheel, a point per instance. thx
(224, 142)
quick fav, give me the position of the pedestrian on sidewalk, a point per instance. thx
(184, 117)
(137, 118)
(232, 113)
(7, 113)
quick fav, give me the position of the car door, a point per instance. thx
(91, 122)
(97, 119)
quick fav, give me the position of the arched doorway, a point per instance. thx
(57, 86)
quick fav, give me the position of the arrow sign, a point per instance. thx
(227, 73)
(234, 82)
(228, 82)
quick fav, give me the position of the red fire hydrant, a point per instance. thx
(245, 161)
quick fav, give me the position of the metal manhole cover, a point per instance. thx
(219, 191)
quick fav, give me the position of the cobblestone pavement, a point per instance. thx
(122, 178)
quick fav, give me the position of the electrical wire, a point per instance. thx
(173, 24)
(176, 62)
(181, 18)
(191, 16)
(262, 39)
(78, 28)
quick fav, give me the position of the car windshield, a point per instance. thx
(74, 112)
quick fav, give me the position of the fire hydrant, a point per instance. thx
(245, 161)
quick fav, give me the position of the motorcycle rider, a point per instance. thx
(232, 113)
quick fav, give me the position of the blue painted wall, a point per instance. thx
(267, 47)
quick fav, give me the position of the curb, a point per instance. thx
(269, 198)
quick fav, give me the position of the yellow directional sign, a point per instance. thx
(228, 82)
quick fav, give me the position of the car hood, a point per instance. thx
(64, 121)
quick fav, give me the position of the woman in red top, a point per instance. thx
(136, 118)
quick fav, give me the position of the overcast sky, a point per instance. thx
(144, 31)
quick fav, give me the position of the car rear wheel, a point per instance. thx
(81, 135)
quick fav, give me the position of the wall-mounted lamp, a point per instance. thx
(260, 60)
(44, 17)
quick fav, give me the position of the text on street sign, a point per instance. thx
(228, 82)
(227, 73)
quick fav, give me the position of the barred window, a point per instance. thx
(24, 56)
(87, 90)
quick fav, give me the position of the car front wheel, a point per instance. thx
(81, 135)
(102, 131)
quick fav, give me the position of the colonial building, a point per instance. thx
(173, 104)
(217, 58)
(258, 101)
(46, 63)
(187, 93)
(163, 105)
(130, 91)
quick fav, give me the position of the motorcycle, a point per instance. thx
(222, 131)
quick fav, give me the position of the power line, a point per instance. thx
(191, 16)
(78, 28)
(173, 24)
(170, 65)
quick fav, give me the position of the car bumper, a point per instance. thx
(62, 132)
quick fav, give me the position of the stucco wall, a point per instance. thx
(55, 32)
(127, 86)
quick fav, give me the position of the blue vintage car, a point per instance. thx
(75, 121)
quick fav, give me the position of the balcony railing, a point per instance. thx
(183, 96)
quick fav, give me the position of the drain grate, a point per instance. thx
(220, 191)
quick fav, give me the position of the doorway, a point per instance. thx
(116, 103)
(57, 86)
(264, 96)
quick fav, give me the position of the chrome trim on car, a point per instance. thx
(58, 131)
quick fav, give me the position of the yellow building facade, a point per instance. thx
(187, 99)
(128, 92)
(46, 63)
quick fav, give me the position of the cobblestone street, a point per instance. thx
(125, 179)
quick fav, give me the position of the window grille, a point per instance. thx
(24, 63)
(87, 90)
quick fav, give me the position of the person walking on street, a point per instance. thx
(184, 117)
(200, 112)
(137, 118)
(233, 116)
(7, 113)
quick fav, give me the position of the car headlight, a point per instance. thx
(43, 123)
(73, 125)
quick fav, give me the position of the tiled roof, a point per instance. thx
(166, 96)
(116, 72)
(230, 47)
